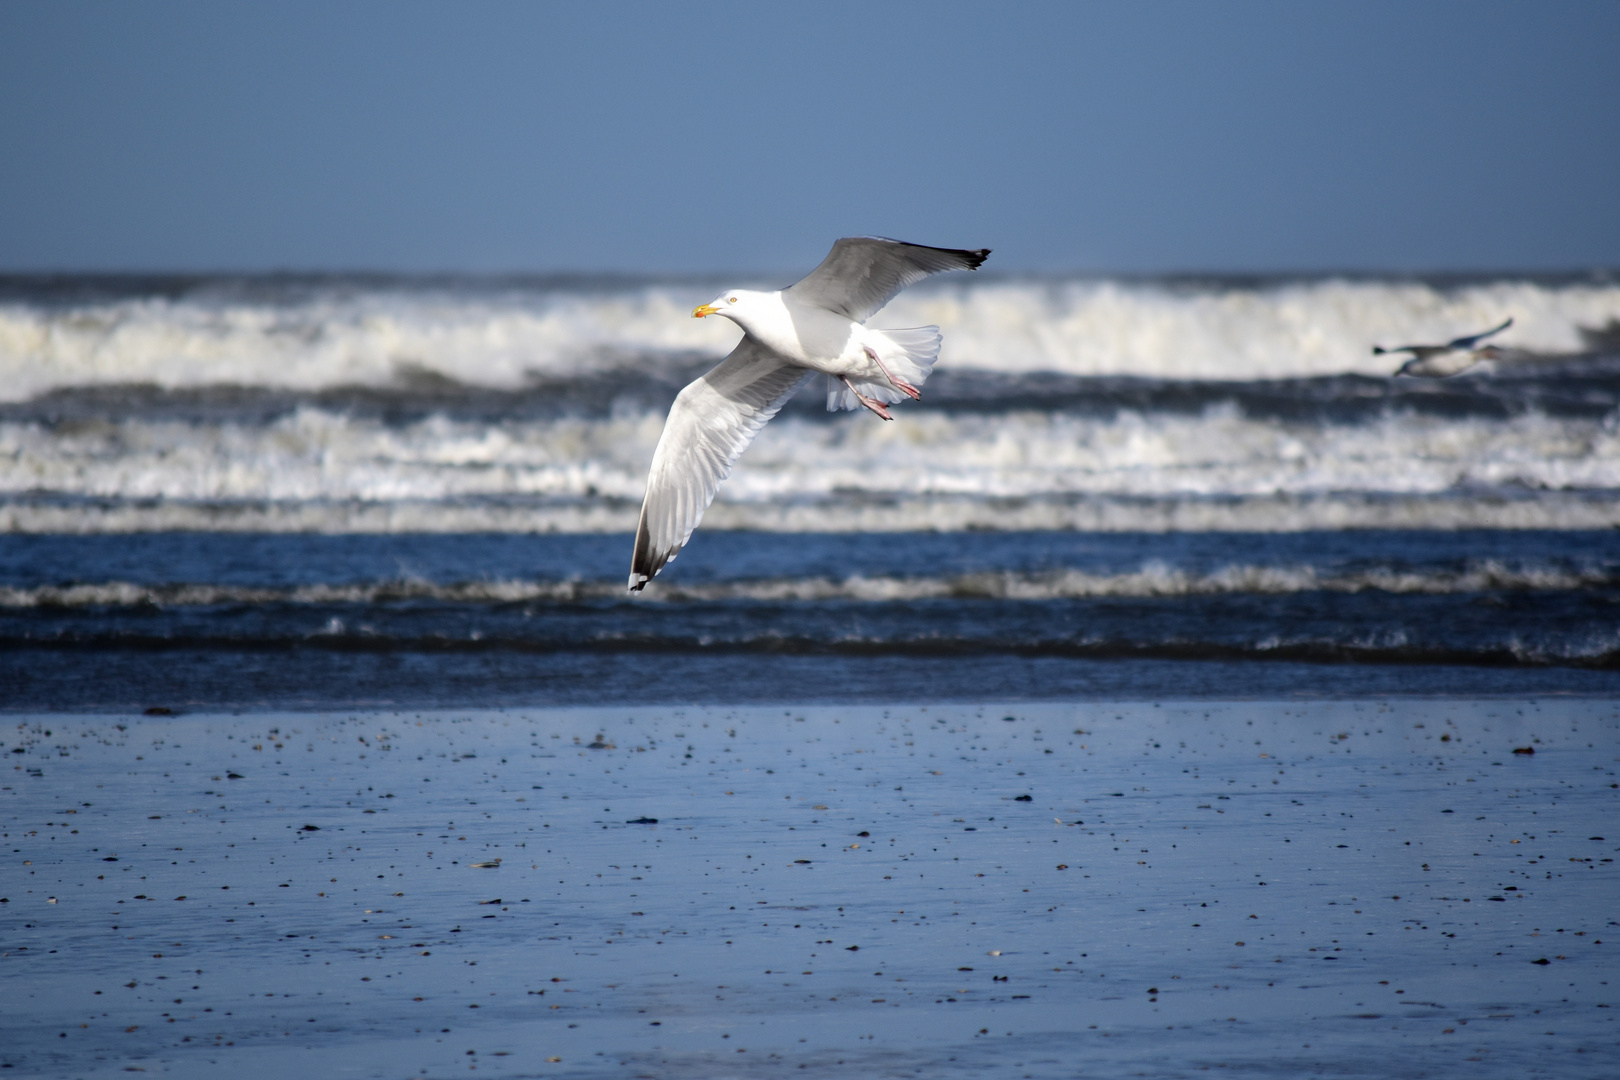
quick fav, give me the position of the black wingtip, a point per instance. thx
(973, 257)
(643, 570)
(644, 564)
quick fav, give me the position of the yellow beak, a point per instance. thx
(706, 309)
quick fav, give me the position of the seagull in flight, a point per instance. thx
(1452, 358)
(817, 325)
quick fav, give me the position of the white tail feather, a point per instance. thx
(909, 355)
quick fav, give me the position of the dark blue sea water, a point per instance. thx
(244, 492)
(191, 620)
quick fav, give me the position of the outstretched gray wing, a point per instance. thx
(712, 421)
(862, 273)
(1470, 342)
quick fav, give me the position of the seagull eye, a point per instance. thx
(733, 300)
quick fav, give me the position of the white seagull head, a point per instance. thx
(734, 304)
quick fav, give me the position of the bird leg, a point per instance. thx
(871, 403)
(899, 384)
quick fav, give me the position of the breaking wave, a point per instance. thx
(1220, 468)
(330, 332)
(334, 405)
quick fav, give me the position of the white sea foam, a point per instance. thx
(319, 469)
(1152, 579)
(313, 453)
(366, 336)
(339, 339)
(97, 466)
(1284, 331)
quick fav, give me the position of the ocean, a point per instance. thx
(269, 491)
(1169, 690)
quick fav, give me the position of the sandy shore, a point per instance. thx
(1327, 889)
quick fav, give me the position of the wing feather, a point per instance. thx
(711, 423)
(862, 273)
(1475, 339)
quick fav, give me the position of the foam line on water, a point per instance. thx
(1273, 514)
(315, 468)
(1153, 579)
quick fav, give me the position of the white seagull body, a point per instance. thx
(788, 336)
(1452, 358)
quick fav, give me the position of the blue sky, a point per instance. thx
(1149, 136)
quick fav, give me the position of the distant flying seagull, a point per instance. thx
(788, 336)
(1452, 358)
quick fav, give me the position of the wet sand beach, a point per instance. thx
(1347, 888)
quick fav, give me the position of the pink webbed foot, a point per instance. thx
(899, 384)
(871, 403)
